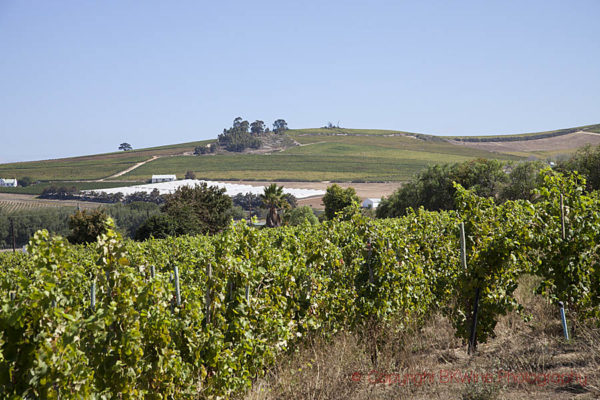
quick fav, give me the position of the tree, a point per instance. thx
(190, 175)
(25, 181)
(279, 126)
(86, 226)
(299, 216)
(586, 161)
(237, 138)
(205, 149)
(273, 199)
(125, 147)
(257, 127)
(291, 200)
(157, 226)
(198, 210)
(522, 181)
(248, 201)
(337, 199)
(433, 188)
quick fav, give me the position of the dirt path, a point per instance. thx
(128, 169)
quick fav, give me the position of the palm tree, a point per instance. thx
(274, 200)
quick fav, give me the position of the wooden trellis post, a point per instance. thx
(208, 299)
(463, 256)
(177, 288)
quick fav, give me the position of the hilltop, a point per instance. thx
(316, 154)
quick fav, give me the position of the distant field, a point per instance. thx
(322, 155)
(530, 136)
(70, 168)
(321, 158)
(91, 167)
(10, 203)
(346, 131)
(567, 143)
(39, 187)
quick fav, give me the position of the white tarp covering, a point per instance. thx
(231, 188)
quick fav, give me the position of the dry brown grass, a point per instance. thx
(566, 143)
(419, 364)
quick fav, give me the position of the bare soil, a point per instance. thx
(526, 360)
(128, 169)
(565, 142)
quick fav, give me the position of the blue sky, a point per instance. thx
(80, 77)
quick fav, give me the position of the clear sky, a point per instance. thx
(80, 77)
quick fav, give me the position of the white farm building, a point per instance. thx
(371, 203)
(8, 182)
(163, 178)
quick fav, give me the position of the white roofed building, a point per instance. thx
(163, 178)
(370, 203)
(8, 182)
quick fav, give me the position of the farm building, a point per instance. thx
(163, 178)
(371, 203)
(8, 182)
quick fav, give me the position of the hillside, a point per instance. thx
(319, 154)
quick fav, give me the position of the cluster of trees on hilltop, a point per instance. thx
(242, 135)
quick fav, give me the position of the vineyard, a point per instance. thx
(203, 317)
(24, 203)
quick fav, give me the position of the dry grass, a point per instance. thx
(430, 363)
(566, 143)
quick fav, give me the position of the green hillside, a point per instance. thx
(320, 154)
(374, 158)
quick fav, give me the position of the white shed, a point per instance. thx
(371, 203)
(163, 178)
(8, 182)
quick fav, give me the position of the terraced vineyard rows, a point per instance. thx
(12, 206)
(201, 317)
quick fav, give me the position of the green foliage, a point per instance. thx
(237, 138)
(299, 216)
(433, 188)
(198, 210)
(257, 127)
(128, 217)
(570, 267)
(370, 158)
(25, 181)
(523, 180)
(158, 226)
(587, 162)
(205, 149)
(28, 222)
(279, 126)
(338, 200)
(498, 252)
(270, 288)
(86, 225)
(273, 199)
